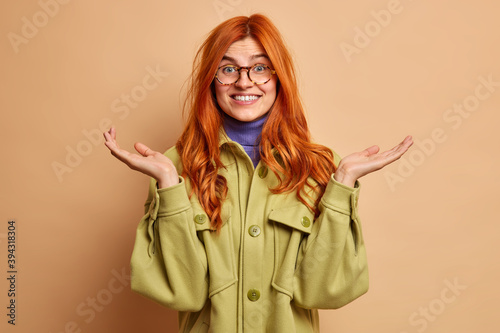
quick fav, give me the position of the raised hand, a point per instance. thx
(356, 165)
(149, 162)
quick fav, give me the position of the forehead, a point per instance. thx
(245, 49)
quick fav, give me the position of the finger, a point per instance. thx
(108, 138)
(121, 154)
(408, 141)
(116, 151)
(143, 149)
(404, 145)
(394, 153)
(112, 132)
(110, 142)
(371, 150)
(401, 147)
(398, 151)
(393, 150)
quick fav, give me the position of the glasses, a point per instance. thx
(258, 74)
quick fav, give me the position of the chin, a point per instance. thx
(246, 117)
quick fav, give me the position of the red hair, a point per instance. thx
(286, 130)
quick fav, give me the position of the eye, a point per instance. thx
(228, 70)
(259, 68)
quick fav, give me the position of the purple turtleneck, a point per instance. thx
(246, 133)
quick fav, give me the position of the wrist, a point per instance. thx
(167, 182)
(343, 178)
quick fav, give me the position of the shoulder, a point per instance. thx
(175, 157)
(172, 152)
(336, 158)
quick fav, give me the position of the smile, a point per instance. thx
(245, 98)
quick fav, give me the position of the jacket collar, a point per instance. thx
(223, 137)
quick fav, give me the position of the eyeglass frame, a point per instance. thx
(273, 72)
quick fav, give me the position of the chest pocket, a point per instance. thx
(292, 225)
(219, 248)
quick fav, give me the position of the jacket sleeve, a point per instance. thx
(331, 266)
(169, 263)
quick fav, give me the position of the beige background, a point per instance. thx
(430, 221)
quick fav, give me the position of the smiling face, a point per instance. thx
(244, 100)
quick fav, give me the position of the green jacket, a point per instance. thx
(271, 267)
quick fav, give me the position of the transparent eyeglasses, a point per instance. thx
(230, 74)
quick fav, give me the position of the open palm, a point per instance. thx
(149, 162)
(359, 164)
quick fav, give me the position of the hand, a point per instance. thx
(362, 163)
(149, 162)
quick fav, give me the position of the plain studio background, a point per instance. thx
(370, 72)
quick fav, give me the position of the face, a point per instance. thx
(245, 53)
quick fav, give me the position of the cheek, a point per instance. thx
(221, 94)
(272, 90)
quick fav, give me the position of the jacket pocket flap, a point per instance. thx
(201, 219)
(298, 217)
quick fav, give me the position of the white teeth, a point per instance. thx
(245, 98)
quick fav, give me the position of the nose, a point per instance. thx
(244, 81)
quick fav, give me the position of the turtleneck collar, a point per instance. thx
(246, 133)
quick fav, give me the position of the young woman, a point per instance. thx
(249, 226)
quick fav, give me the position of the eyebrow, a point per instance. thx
(255, 56)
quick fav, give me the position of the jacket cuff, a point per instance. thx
(341, 197)
(172, 200)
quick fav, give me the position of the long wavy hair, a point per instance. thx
(296, 157)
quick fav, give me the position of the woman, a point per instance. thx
(248, 225)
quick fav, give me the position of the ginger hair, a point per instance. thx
(296, 161)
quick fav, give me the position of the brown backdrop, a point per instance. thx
(371, 72)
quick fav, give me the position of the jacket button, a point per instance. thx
(305, 221)
(200, 218)
(253, 295)
(263, 172)
(254, 230)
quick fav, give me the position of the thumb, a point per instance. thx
(372, 150)
(143, 149)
